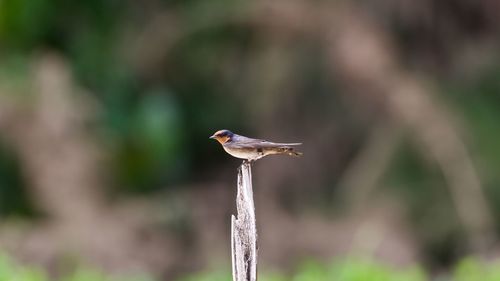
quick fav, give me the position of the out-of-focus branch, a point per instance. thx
(60, 156)
(364, 173)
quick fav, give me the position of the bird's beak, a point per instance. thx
(212, 137)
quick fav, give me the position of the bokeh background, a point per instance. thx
(106, 168)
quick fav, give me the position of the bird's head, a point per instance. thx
(222, 136)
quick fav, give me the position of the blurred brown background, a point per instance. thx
(106, 108)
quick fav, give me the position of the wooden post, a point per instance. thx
(243, 229)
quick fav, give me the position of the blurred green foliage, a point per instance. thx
(356, 270)
(473, 269)
(10, 271)
(349, 269)
(469, 269)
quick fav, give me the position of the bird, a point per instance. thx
(252, 149)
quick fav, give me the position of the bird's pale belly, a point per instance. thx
(250, 154)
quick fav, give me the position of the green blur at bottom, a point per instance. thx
(348, 269)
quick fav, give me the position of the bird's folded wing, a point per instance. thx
(260, 144)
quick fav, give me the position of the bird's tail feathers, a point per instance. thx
(290, 151)
(289, 144)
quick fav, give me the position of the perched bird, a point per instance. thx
(252, 149)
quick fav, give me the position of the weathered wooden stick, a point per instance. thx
(243, 229)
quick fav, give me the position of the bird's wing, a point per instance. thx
(244, 142)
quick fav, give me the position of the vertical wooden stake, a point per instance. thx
(243, 229)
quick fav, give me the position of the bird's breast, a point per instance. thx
(243, 153)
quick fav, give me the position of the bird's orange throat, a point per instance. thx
(222, 140)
